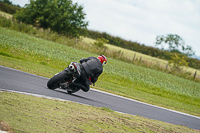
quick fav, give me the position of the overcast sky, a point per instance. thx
(143, 20)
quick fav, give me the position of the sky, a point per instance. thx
(143, 20)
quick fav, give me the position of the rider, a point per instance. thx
(91, 69)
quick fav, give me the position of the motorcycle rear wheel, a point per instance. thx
(55, 81)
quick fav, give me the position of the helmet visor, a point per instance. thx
(104, 62)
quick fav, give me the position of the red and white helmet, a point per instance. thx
(102, 59)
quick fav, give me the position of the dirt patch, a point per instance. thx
(5, 127)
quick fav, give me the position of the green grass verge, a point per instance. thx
(45, 58)
(25, 114)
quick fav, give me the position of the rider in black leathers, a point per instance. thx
(91, 69)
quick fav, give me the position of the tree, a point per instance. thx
(178, 62)
(7, 1)
(61, 16)
(100, 42)
(8, 7)
(175, 44)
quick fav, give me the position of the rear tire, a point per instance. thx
(55, 81)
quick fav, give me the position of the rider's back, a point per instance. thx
(92, 66)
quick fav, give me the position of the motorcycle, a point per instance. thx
(66, 78)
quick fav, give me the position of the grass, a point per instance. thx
(45, 58)
(112, 52)
(24, 113)
(5, 14)
(130, 54)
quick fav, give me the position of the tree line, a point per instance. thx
(141, 48)
(8, 7)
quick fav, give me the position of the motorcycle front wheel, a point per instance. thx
(58, 78)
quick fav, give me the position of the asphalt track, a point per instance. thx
(18, 81)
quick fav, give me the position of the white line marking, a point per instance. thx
(145, 103)
(54, 98)
(100, 92)
(48, 97)
(38, 95)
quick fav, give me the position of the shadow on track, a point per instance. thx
(65, 92)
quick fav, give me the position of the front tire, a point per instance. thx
(55, 81)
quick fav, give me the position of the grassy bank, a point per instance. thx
(5, 14)
(45, 58)
(146, 60)
(111, 51)
(24, 113)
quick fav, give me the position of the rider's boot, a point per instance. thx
(81, 86)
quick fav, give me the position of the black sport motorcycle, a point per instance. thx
(66, 79)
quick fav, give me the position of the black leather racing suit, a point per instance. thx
(91, 68)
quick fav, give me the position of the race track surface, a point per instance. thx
(11, 79)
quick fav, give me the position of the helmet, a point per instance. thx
(102, 59)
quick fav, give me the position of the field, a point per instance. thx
(5, 14)
(110, 50)
(130, 54)
(45, 58)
